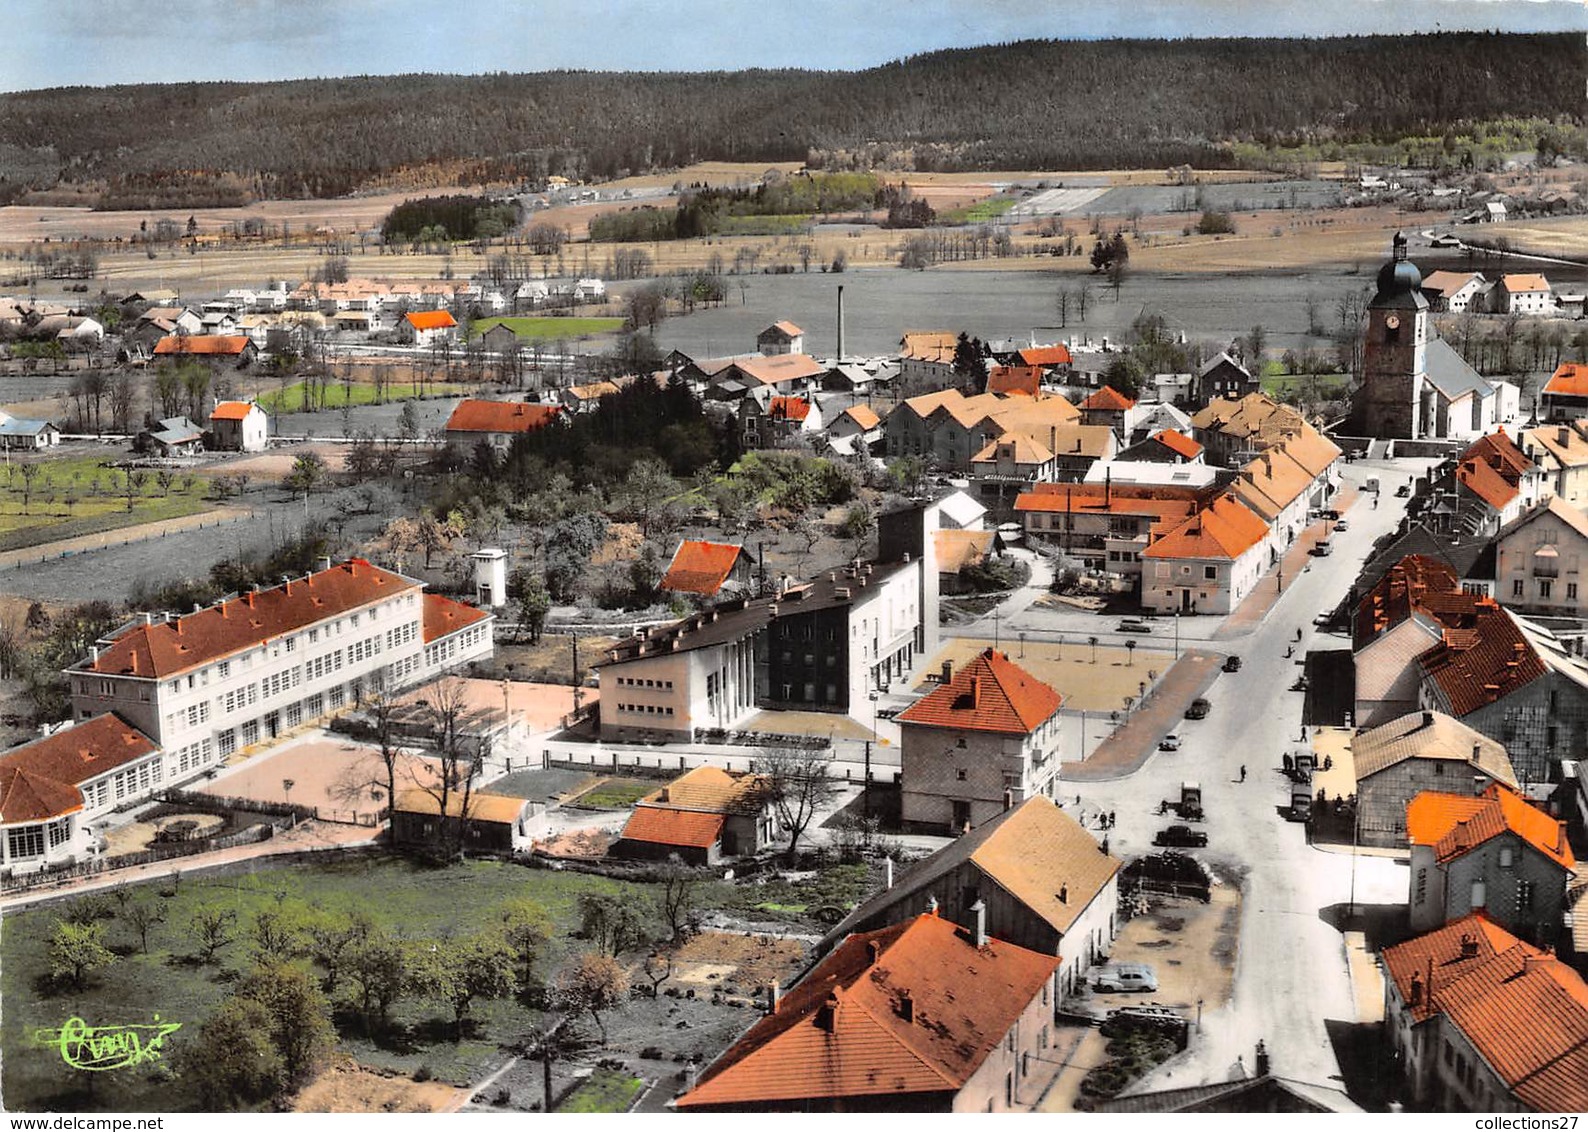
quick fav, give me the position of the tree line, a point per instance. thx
(1040, 104)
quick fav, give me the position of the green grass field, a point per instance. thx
(604, 1091)
(979, 213)
(615, 793)
(1329, 386)
(411, 900)
(80, 495)
(358, 393)
(550, 329)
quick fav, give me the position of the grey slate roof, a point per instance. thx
(1449, 373)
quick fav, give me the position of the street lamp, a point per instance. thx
(1177, 634)
(1022, 646)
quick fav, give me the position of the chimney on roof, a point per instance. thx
(1469, 946)
(249, 596)
(324, 563)
(146, 618)
(873, 950)
(1064, 893)
(93, 653)
(975, 692)
(827, 1014)
(978, 910)
(947, 673)
(906, 1006)
(1428, 719)
(1415, 994)
(1563, 436)
(1532, 962)
(887, 873)
(774, 997)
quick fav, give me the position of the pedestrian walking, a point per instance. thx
(1110, 819)
(1243, 772)
(1286, 759)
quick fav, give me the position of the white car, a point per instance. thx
(1169, 742)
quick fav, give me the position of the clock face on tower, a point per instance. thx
(1393, 321)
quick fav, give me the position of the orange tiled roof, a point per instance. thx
(789, 408)
(1482, 660)
(1179, 443)
(430, 320)
(1167, 505)
(1518, 284)
(845, 1029)
(1035, 415)
(1522, 1009)
(483, 805)
(779, 368)
(929, 345)
(1017, 445)
(443, 616)
(500, 416)
(863, 415)
(39, 779)
(1456, 823)
(1046, 355)
(1486, 483)
(959, 549)
(1226, 528)
(660, 825)
(700, 567)
(222, 345)
(991, 693)
(1271, 482)
(166, 648)
(1569, 380)
(711, 789)
(1108, 399)
(787, 328)
(1023, 380)
(233, 410)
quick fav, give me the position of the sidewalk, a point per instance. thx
(1124, 752)
(1250, 613)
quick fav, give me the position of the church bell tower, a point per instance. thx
(1394, 355)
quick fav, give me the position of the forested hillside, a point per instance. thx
(1040, 104)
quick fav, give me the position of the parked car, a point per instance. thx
(1322, 550)
(1199, 708)
(1169, 742)
(1341, 525)
(1323, 619)
(1232, 664)
(1180, 837)
(1125, 977)
(1133, 626)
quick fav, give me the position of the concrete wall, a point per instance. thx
(1382, 797)
(1540, 723)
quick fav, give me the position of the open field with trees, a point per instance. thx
(43, 499)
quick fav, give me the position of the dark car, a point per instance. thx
(1181, 837)
(1131, 626)
(1232, 664)
(1199, 709)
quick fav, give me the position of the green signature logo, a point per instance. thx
(101, 1048)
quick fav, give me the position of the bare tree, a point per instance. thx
(795, 784)
(447, 701)
(675, 897)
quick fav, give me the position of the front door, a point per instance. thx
(1185, 601)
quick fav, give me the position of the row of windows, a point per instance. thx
(223, 669)
(444, 650)
(645, 709)
(636, 682)
(195, 755)
(361, 651)
(1546, 589)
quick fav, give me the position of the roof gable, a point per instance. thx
(1456, 824)
(500, 416)
(701, 567)
(991, 693)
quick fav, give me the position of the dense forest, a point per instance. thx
(1037, 104)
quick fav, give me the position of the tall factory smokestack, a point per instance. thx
(840, 322)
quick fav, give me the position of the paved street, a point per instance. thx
(1292, 972)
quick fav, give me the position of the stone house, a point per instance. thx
(1494, 854)
(1421, 751)
(984, 740)
(1541, 559)
(701, 816)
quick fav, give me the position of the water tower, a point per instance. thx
(490, 577)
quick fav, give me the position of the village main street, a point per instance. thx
(1293, 976)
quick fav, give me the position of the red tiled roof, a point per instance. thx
(700, 567)
(443, 616)
(1455, 824)
(1415, 584)
(1223, 529)
(430, 320)
(1046, 355)
(1023, 380)
(789, 408)
(39, 780)
(233, 410)
(1570, 380)
(863, 415)
(1109, 399)
(843, 1030)
(1519, 284)
(662, 825)
(1483, 661)
(991, 693)
(1179, 443)
(500, 416)
(166, 648)
(225, 345)
(1523, 1010)
(1492, 468)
